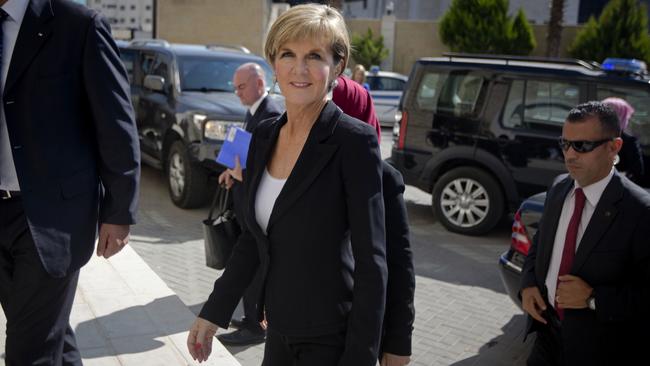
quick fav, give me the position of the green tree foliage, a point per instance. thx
(483, 26)
(368, 50)
(621, 31)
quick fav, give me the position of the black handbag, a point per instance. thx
(221, 231)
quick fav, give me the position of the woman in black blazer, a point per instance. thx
(315, 219)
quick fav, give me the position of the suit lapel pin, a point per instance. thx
(40, 34)
(608, 214)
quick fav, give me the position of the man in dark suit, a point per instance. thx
(250, 87)
(69, 162)
(586, 280)
(400, 290)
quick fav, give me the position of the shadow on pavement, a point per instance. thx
(507, 349)
(133, 329)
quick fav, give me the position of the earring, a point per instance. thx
(334, 84)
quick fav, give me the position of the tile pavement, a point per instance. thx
(124, 314)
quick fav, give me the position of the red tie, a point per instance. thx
(569, 251)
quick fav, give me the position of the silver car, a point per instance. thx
(386, 89)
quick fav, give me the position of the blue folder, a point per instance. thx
(236, 143)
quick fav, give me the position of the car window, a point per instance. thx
(458, 93)
(428, 91)
(128, 58)
(536, 104)
(147, 62)
(639, 125)
(385, 83)
(212, 73)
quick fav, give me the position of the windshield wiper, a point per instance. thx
(206, 90)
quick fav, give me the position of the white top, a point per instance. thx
(592, 192)
(267, 192)
(10, 28)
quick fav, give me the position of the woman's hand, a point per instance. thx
(199, 341)
(227, 176)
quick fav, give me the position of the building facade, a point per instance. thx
(129, 18)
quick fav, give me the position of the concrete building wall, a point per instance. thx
(234, 22)
(537, 11)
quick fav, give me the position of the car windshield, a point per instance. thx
(212, 74)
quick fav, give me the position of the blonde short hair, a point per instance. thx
(359, 68)
(311, 22)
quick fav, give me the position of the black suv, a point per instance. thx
(480, 132)
(184, 103)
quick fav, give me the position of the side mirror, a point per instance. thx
(155, 83)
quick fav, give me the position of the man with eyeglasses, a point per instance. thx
(586, 279)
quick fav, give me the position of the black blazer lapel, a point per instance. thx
(34, 31)
(312, 160)
(603, 216)
(547, 239)
(264, 144)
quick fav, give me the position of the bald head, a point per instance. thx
(249, 83)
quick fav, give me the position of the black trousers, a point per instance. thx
(324, 350)
(36, 305)
(547, 349)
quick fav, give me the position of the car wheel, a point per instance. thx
(187, 182)
(468, 201)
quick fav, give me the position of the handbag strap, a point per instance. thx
(217, 196)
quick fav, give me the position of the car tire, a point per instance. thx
(467, 200)
(187, 182)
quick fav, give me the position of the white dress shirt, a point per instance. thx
(10, 28)
(257, 103)
(592, 192)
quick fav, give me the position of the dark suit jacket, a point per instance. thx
(400, 312)
(269, 108)
(71, 126)
(631, 159)
(613, 257)
(323, 260)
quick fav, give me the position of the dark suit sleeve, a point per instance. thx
(241, 268)
(232, 284)
(400, 312)
(528, 271)
(362, 176)
(108, 95)
(630, 300)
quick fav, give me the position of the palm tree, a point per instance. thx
(554, 35)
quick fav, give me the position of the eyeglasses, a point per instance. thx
(581, 146)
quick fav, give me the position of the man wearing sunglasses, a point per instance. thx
(586, 279)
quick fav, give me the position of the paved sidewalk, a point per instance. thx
(124, 314)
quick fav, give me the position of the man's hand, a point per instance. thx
(199, 341)
(112, 238)
(227, 176)
(389, 359)
(572, 292)
(533, 303)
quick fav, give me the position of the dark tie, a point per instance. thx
(569, 251)
(247, 119)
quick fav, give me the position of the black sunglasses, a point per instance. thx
(581, 146)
